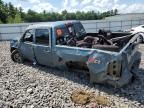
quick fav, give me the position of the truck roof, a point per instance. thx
(51, 24)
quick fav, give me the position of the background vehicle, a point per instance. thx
(107, 57)
(137, 30)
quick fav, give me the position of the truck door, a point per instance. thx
(42, 48)
(26, 45)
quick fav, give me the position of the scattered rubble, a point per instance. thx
(82, 97)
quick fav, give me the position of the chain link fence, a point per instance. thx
(11, 31)
(115, 26)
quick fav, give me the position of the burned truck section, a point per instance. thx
(104, 39)
(105, 64)
(107, 57)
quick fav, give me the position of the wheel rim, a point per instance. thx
(17, 58)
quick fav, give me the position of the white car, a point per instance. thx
(138, 29)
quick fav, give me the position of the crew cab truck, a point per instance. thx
(65, 44)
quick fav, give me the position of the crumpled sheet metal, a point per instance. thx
(97, 62)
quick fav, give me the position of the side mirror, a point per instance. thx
(29, 35)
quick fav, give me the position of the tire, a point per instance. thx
(16, 56)
(106, 47)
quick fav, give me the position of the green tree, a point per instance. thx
(64, 15)
(32, 16)
(10, 20)
(3, 16)
(11, 14)
(0, 22)
(12, 10)
(22, 14)
(115, 12)
(17, 18)
(112, 13)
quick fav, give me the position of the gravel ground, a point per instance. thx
(25, 86)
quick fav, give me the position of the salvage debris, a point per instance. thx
(82, 97)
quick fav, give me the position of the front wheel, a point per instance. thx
(16, 56)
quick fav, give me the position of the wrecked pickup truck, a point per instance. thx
(107, 57)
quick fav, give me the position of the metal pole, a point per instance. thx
(139, 21)
(121, 24)
(131, 23)
(0, 37)
(109, 25)
(20, 29)
(96, 27)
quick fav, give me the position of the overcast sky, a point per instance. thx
(124, 6)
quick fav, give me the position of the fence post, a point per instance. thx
(139, 21)
(0, 37)
(109, 25)
(20, 29)
(131, 23)
(121, 24)
(96, 27)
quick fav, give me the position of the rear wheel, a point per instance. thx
(16, 56)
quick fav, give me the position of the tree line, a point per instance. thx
(11, 14)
